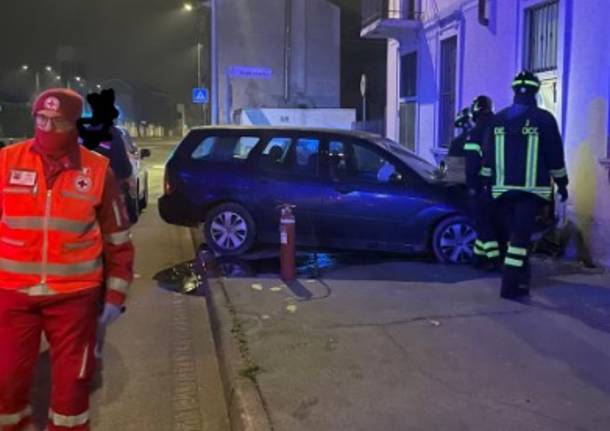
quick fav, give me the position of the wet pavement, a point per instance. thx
(364, 342)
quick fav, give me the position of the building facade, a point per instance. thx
(278, 54)
(443, 53)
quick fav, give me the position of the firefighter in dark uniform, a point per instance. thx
(454, 164)
(486, 249)
(522, 151)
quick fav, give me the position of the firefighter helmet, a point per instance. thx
(463, 118)
(481, 105)
(526, 82)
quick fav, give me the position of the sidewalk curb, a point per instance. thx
(245, 406)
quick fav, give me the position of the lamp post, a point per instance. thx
(212, 6)
(37, 75)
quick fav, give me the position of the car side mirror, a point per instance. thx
(144, 153)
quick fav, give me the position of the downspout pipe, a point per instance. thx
(287, 49)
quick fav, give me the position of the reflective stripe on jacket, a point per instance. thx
(50, 240)
(523, 151)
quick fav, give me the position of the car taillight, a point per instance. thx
(167, 185)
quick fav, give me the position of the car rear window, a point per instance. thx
(224, 148)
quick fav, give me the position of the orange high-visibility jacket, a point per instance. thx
(50, 240)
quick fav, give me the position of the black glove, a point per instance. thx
(563, 192)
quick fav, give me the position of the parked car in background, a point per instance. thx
(352, 190)
(137, 191)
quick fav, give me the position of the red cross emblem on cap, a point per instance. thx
(51, 103)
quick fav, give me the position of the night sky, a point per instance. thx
(150, 41)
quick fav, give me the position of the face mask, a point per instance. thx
(55, 143)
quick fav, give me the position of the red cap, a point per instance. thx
(59, 102)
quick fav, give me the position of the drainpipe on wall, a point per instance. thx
(287, 49)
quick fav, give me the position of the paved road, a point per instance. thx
(160, 369)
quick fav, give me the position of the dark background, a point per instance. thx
(150, 42)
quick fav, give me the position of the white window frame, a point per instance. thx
(413, 99)
(452, 29)
(558, 73)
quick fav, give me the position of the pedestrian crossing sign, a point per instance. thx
(201, 95)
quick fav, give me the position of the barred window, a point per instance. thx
(447, 90)
(540, 50)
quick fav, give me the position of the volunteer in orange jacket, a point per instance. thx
(63, 232)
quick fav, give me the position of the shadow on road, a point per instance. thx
(584, 303)
(349, 266)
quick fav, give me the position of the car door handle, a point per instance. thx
(344, 190)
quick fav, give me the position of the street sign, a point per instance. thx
(363, 85)
(201, 96)
(250, 72)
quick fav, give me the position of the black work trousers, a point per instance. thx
(517, 212)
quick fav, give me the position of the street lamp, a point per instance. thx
(25, 67)
(212, 5)
(48, 69)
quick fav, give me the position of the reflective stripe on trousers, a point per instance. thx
(489, 249)
(15, 418)
(68, 421)
(515, 256)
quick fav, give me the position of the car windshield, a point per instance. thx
(424, 168)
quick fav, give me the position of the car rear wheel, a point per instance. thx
(229, 230)
(453, 240)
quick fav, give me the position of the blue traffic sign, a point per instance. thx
(201, 95)
(249, 72)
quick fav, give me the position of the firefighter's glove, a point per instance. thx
(563, 192)
(110, 314)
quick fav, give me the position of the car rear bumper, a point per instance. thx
(177, 209)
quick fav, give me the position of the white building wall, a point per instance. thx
(586, 135)
(253, 33)
(488, 58)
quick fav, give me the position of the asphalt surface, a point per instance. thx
(404, 345)
(160, 370)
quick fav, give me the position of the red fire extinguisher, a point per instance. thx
(287, 244)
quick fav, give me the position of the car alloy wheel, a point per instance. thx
(229, 230)
(454, 241)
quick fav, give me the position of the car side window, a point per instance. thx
(355, 162)
(295, 156)
(306, 156)
(273, 155)
(224, 148)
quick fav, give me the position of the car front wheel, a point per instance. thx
(229, 230)
(453, 240)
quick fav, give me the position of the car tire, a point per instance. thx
(229, 230)
(453, 240)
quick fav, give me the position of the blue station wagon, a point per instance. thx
(351, 190)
